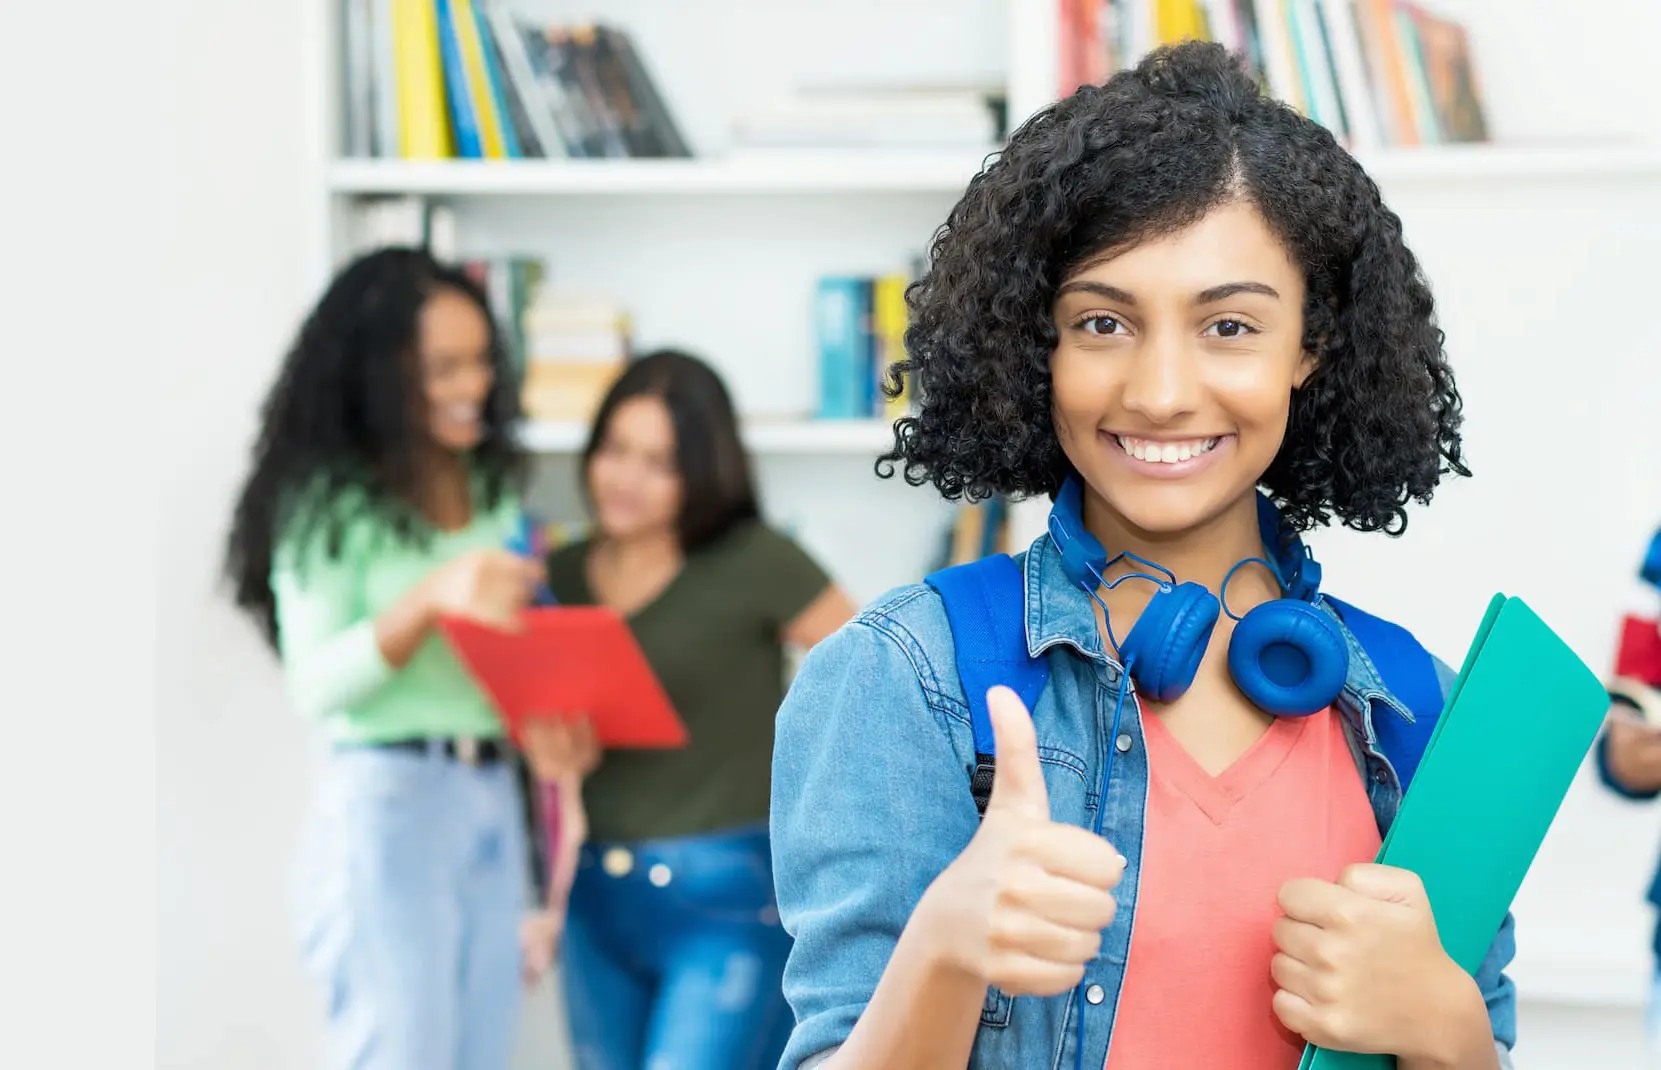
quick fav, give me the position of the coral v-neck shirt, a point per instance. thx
(1215, 851)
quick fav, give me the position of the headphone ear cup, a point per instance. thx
(1289, 658)
(1165, 646)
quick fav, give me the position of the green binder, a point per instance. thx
(1519, 721)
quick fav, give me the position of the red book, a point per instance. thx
(1638, 656)
(569, 661)
(1638, 653)
(1637, 676)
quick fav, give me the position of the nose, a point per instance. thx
(1162, 383)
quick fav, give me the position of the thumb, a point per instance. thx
(1018, 779)
(1388, 884)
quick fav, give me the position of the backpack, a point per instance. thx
(985, 608)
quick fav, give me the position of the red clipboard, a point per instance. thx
(569, 660)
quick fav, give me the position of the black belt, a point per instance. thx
(463, 749)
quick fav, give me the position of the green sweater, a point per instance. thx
(326, 610)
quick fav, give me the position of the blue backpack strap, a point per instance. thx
(1409, 672)
(986, 609)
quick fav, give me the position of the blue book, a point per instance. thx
(463, 117)
(493, 74)
(847, 364)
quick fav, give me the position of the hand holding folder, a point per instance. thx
(1518, 722)
(569, 661)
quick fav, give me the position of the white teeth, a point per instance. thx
(462, 413)
(1166, 452)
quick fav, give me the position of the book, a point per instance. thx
(1518, 722)
(1374, 72)
(569, 661)
(468, 79)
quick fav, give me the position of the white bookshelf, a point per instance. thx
(941, 173)
(719, 253)
(784, 172)
(1539, 246)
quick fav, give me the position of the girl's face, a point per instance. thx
(633, 480)
(1173, 376)
(454, 368)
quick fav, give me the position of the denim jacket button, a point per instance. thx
(659, 875)
(1122, 744)
(617, 862)
(1095, 994)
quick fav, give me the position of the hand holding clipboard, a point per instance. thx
(569, 661)
(1517, 725)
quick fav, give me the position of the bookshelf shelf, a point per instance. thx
(1498, 161)
(857, 437)
(815, 172)
(943, 173)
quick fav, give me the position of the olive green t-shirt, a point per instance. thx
(713, 636)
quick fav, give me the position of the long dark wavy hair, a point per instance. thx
(342, 431)
(1149, 152)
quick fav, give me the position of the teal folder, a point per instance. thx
(1518, 722)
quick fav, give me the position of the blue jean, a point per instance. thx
(673, 955)
(1652, 1019)
(411, 891)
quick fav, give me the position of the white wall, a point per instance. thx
(231, 757)
(1552, 344)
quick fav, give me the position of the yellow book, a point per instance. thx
(478, 80)
(1179, 20)
(888, 314)
(423, 122)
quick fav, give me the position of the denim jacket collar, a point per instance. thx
(1060, 612)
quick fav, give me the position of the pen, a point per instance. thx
(525, 543)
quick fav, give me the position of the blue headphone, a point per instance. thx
(1286, 656)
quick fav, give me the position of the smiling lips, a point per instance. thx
(1170, 452)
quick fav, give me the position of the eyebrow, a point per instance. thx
(1100, 289)
(1207, 296)
(1230, 289)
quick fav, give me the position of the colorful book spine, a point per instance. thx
(889, 319)
(1373, 72)
(463, 113)
(486, 110)
(847, 364)
(423, 128)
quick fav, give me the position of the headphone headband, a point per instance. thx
(1298, 572)
(1285, 655)
(1295, 567)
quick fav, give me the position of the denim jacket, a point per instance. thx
(871, 802)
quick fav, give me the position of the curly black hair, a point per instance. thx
(341, 430)
(1150, 152)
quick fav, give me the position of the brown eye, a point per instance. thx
(1105, 326)
(1229, 329)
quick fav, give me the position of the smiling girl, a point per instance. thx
(1181, 310)
(383, 487)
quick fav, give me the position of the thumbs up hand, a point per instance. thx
(1026, 902)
